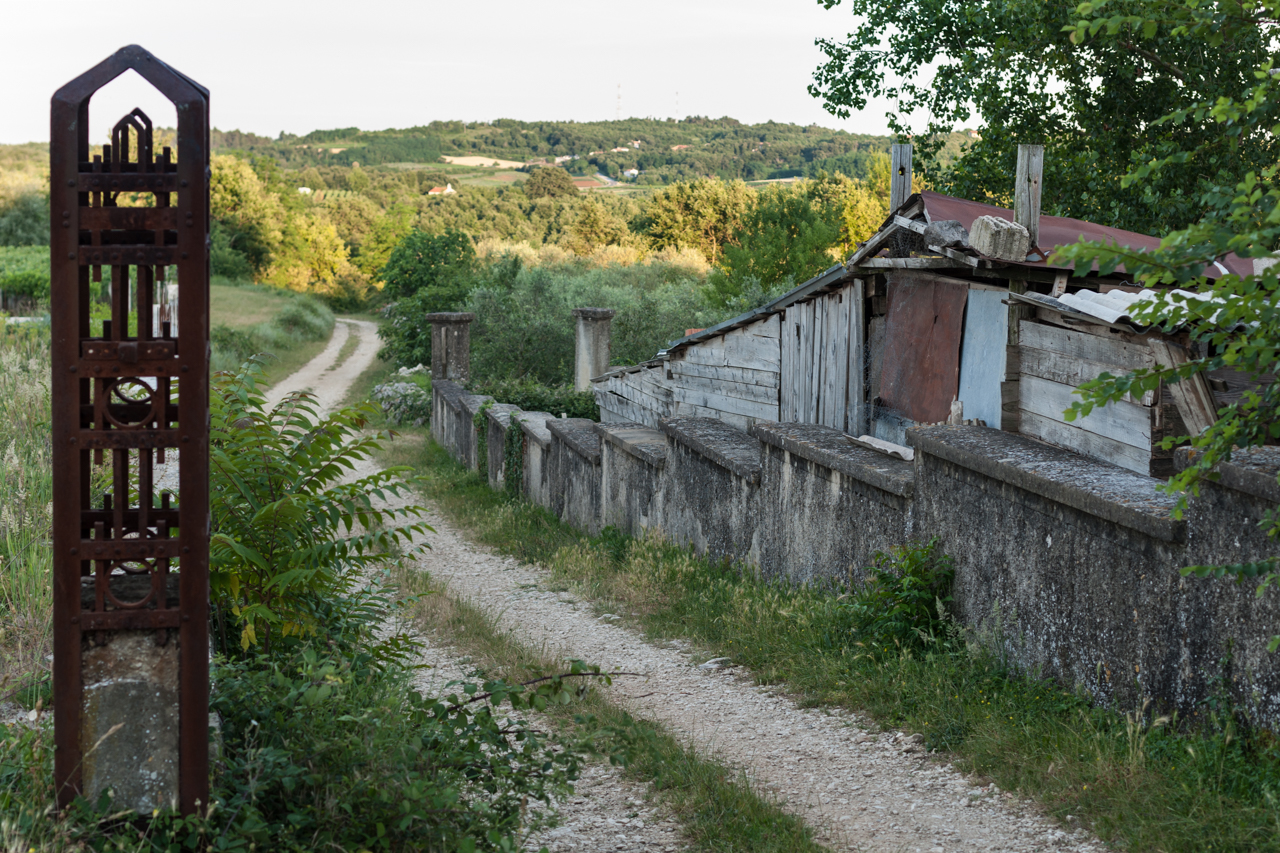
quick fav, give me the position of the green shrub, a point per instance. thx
(24, 220)
(24, 272)
(303, 318)
(405, 402)
(435, 268)
(524, 325)
(534, 397)
(287, 532)
(307, 319)
(224, 259)
(902, 605)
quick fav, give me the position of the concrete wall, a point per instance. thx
(632, 458)
(498, 422)
(574, 473)
(537, 451)
(831, 505)
(446, 400)
(710, 495)
(1073, 562)
(468, 437)
(1079, 560)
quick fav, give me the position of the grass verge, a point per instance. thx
(248, 319)
(717, 808)
(1144, 782)
(26, 566)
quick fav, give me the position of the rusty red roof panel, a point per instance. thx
(1057, 231)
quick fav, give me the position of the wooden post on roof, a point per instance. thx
(1026, 212)
(1026, 191)
(899, 176)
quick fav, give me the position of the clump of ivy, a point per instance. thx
(480, 421)
(513, 467)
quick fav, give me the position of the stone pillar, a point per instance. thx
(451, 346)
(591, 354)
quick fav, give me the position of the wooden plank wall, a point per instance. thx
(805, 365)
(1053, 362)
(639, 396)
(734, 377)
(816, 346)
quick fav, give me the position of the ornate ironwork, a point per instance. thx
(131, 558)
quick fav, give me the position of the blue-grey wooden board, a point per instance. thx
(982, 352)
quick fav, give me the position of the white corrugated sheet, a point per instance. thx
(1118, 305)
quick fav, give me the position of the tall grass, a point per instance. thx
(297, 320)
(26, 481)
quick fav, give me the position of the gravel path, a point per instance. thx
(860, 789)
(606, 812)
(330, 382)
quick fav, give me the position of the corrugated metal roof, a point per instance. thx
(1114, 306)
(1057, 231)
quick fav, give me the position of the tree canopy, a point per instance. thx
(1237, 327)
(549, 182)
(435, 268)
(1094, 98)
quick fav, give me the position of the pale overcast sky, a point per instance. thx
(275, 65)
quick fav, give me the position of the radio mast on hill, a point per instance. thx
(618, 113)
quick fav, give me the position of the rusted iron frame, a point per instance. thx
(78, 180)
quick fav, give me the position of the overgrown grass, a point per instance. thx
(293, 329)
(717, 807)
(26, 479)
(1144, 783)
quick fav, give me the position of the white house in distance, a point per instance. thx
(447, 189)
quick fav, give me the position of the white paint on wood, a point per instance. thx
(724, 403)
(855, 400)
(1192, 395)
(1026, 191)
(744, 375)
(1127, 423)
(1086, 443)
(986, 330)
(899, 175)
(742, 390)
(1070, 370)
(1107, 349)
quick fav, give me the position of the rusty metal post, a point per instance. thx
(130, 566)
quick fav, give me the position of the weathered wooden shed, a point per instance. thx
(918, 318)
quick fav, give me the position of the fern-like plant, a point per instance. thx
(295, 525)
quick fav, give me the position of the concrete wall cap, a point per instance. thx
(829, 448)
(1101, 489)
(500, 413)
(1251, 471)
(647, 445)
(473, 402)
(450, 317)
(579, 434)
(594, 313)
(729, 448)
(534, 425)
(452, 392)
